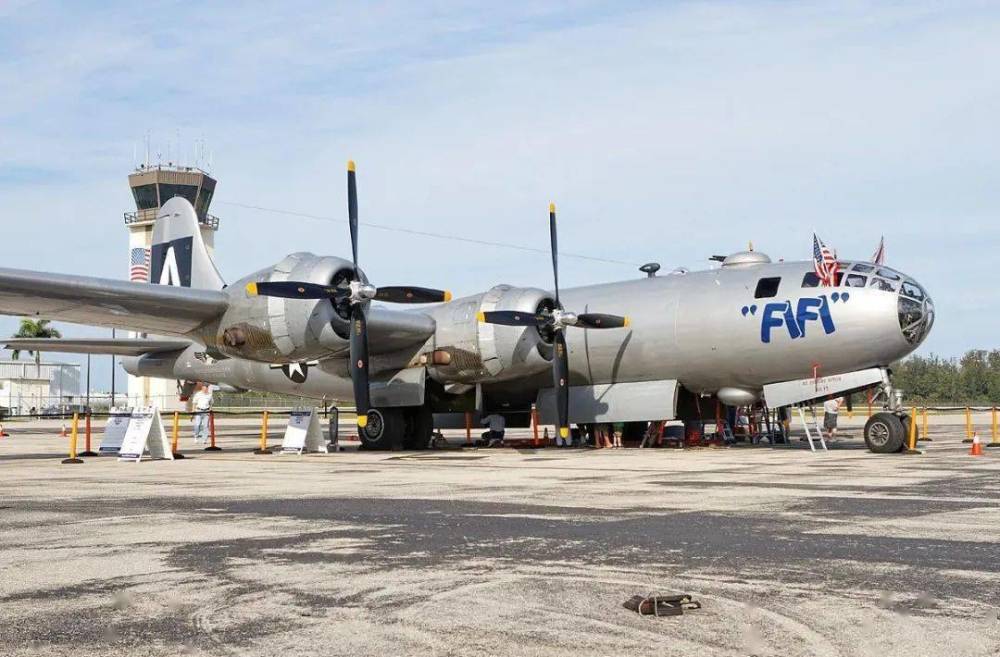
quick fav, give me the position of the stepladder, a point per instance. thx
(816, 426)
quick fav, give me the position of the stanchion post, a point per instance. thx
(263, 449)
(212, 447)
(175, 436)
(74, 435)
(994, 437)
(924, 432)
(968, 425)
(869, 403)
(911, 441)
(468, 429)
(534, 427)
(86, 437)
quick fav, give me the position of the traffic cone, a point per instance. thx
(63, 433)
(977, 447)
(3, 433)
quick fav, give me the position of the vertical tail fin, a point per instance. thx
(179, 256)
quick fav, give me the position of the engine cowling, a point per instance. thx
(477, 352)
(274, 329)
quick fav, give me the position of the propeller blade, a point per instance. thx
(601, 321)
(352, 210)
(293, 290)
(511, 318)
(555, 249)
(560, 377)
(401, 294)
(359, 362)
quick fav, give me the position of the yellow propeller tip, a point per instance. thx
(564, 432)
(350, 165)
(481, 316)
(627, 322)
(447, 295)
(552, 207)
(362, 421)
(252, 289)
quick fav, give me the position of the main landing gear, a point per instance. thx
(887, 432)
(409, 427)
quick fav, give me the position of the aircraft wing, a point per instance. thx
(117, 346)
(108, 302)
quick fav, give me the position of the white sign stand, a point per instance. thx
(145, 433)
(114, 431)
(303, 433)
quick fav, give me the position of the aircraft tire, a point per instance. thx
(384, 431)
(884, 433)
(419, 427)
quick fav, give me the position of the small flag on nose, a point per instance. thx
(879, 256)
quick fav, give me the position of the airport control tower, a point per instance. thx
(152, 186)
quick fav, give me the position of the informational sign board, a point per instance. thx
(145, 432)
(303, 433)
(114, 431)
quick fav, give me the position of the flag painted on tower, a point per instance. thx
(139, 265)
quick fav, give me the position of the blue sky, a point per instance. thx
(664, 131)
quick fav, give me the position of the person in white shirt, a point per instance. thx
(830, 409)
(201, 402)
(494, 437)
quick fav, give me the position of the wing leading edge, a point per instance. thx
(108, 302)
(117, 346)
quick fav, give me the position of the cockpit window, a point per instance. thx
(767, 287)
(911, 289)
(855, 280)
(881, 284)
(810, 280)
(885, 272)
(863, 268)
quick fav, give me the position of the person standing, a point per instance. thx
(201, 402)
(830, 409)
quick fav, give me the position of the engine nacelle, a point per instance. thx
(273, 329)
(477, 352)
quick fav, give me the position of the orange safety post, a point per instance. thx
(869, 403)
(86, 433)
(176, 437)
(534, 427)
(911, 442)
(968, 425)
(211, 432)
(468, 429)
(263, 449)
(72, 441)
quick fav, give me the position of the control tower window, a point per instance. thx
(204, 198)
(145, 197)
(767, 287)
(167, 192)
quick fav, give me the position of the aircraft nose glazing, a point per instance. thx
(916, 311)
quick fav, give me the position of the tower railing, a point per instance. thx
(141, 216)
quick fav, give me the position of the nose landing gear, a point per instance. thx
(886, 432)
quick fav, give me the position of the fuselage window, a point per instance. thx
(888, 273)
(767, 287)
(912, 290)
(863, 268)
(881, 284)
(810, 280)
(855, 280)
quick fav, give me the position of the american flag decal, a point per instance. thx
(139, 265)
(824, 262)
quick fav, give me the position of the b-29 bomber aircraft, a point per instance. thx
(656, 347)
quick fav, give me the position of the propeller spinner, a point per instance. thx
(355, 295)
(555, 321)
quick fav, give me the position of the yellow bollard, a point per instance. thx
(74, 435)
(263, 449)
(994, 438)
(176, 436)
(911, 442)
(923, 426)
(968, 425)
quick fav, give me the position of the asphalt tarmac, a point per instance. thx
(499, 551)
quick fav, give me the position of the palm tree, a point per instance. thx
(34, 329)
